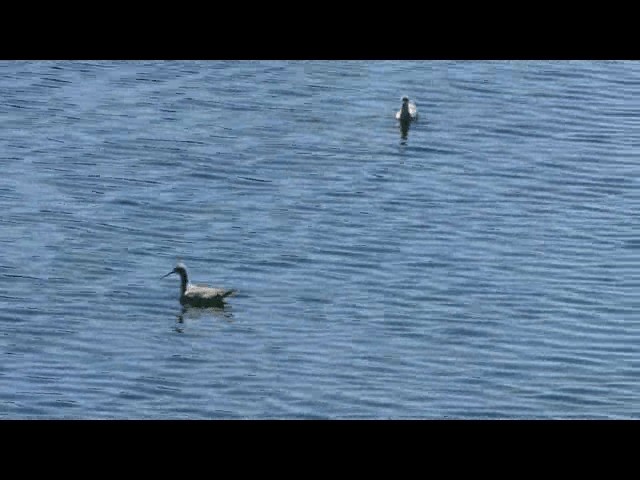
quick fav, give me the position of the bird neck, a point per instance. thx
(405, 108)
(184, 281)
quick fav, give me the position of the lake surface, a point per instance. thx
(487, 265)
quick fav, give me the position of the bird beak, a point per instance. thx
(172, 271)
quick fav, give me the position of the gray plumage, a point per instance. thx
(199, 295)
(408, 111)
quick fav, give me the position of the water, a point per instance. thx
(485, 266)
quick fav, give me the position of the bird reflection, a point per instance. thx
(196, 313)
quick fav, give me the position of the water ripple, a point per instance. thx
(482, 267)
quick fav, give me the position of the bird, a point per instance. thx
(408, 112)
(198, 295)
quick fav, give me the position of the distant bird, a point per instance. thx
(408, 111)
(198, 295)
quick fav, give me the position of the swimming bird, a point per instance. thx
(408, 112)
(198, 295)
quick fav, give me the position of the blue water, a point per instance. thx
(487, 265)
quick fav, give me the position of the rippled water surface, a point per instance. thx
(486, 265)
